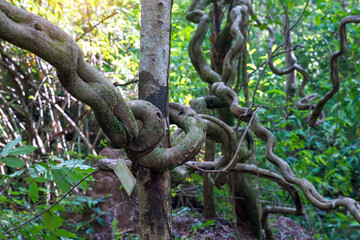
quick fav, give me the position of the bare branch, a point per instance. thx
(94, 26)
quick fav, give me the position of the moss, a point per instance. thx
(117, 126)
(58, 46)
(17, 18)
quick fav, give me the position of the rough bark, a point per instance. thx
(154, 186)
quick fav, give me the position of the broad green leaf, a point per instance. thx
(291, 5)
(17, 173)
(252, 51)
(13, 162)
(208, 223)
(100, 221)
(58, 208)
(64, 233)
(40, 179)
(273, 47)
(22, 150)
(34, 192)
(58, 221)
(49, 220)
(33, 172)
(251, 65)
(10, 146)
(317, 20)
(3, 199)
(263, 26)
(59, 176)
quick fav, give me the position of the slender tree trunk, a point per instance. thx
(208, 186)
(154, 187)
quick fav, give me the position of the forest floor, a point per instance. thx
(188, 222)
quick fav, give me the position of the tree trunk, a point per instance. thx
(154, 187)
(209, 205)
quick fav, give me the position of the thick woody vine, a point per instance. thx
(85, 83)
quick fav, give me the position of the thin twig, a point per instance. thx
(94, 26)
(116, 84)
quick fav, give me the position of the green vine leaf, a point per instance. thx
(13, 162)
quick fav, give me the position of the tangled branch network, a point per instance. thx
(116, 118)
(223, 93)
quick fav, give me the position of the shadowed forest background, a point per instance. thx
(50, 141)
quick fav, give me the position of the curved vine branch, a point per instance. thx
(237, 17)
(84, 82)
(334, 69)
(168, 158)
(198, 59)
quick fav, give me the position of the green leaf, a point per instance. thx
(291, 5)
(58, 221)
(263, 26)
(34, 192)
(10, 146)
(49, 220)
(59, 176)
(100, 221)
(40, 179)
(13, 162)
(252, 51)
(317, 20)
(17, 173)
(32, 172)
(64, 233)
(208, 223)
(22, 150)
(58, 208)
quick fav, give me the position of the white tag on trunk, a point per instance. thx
(125, 176)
